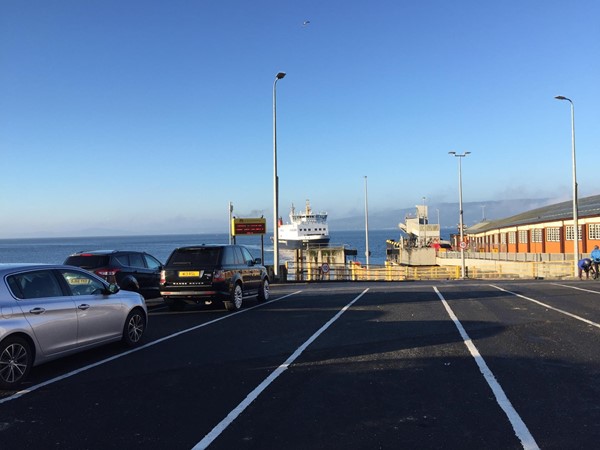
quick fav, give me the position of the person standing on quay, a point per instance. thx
(595, 255)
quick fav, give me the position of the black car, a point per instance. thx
(201, 274)
(132, 271)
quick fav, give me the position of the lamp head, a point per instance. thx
(280, 75)
(561, 97)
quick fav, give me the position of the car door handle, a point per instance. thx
(83, 306)
(37, 311)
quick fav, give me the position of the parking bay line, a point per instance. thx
(545, 305)
(137, 349)
(519, 427)
(221, 426)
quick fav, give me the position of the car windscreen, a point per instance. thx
(88, 261)
(196, 257)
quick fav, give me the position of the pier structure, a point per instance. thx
(420, 233)
(419, 241)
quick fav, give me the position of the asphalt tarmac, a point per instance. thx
(415, 365)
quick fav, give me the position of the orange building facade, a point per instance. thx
(530, 233)
(553, 237)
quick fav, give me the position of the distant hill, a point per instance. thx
(448, 214)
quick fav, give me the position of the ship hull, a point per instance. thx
(302, 243)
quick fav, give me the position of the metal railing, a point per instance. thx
(509, 256)
(356, 272)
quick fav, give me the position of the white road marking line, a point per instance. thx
(137, 349)
(521, 430)
(221, 426)
(577, 288)
(545, 305)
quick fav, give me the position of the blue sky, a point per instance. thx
(150, 116)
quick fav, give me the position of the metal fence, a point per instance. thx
(506, 256)
(355, 272)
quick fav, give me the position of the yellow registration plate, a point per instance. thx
(189, 273)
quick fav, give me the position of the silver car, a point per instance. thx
(50, 311)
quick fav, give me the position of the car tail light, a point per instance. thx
(108, 274)
(219, 275)
(163, 277)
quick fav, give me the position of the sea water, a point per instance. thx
(56, 250)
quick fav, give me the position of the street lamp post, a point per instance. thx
(460, 208)
(230, 221)
(425, 220)
(575, 213)
(367, 252)
(279, 76)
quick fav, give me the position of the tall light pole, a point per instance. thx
(460, 208)
(230, 221)
(424, 224)
(575, 214)
(366, 223)
(279, 76)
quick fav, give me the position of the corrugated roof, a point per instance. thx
(587, 207)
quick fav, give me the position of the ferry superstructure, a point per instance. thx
(305, 229)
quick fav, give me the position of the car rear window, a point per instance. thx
(87, 261)
(202, 256)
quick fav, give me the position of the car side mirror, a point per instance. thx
(257, 261)
(112, 289)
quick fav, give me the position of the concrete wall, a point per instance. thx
(418, 256)
(481, 268)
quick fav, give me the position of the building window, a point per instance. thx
(523, 236)
(594, 231)
(536, 235)
(512, 237)
(503, 238)
(553, 234)
(570, 232)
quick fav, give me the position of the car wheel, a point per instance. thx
(16, 359)
(235, 298)
(263, 292)
(134, 328)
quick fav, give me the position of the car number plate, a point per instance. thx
(190, 273)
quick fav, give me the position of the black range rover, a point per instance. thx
(198, 274)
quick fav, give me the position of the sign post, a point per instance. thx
(250, 226)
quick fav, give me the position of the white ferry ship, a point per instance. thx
(305, 229)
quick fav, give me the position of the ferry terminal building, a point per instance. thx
(546, 230)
